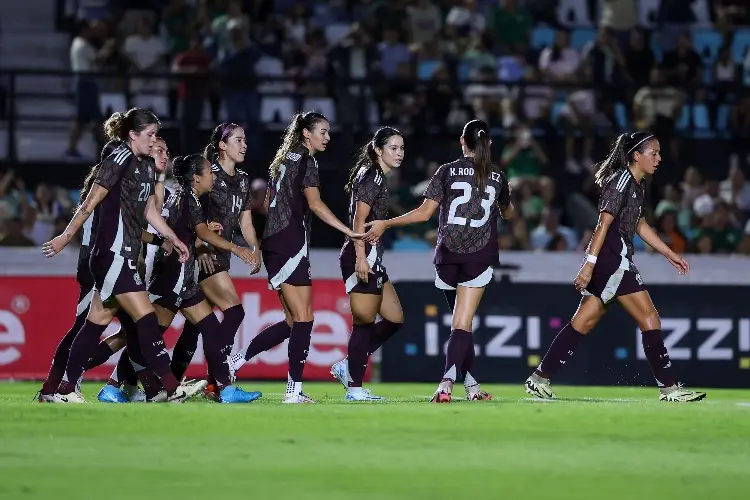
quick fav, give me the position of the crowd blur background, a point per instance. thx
(556, 79)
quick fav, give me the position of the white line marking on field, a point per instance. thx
(745, 404)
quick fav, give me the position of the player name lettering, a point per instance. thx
(462, 171)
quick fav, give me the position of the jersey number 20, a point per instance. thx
(145, 191)
(464, 198)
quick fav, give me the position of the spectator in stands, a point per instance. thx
(523, 158)
(466, 18)
(605, 68)
(735, 191)
(744, 247)
(719, 233)
(560, 62)
(86, 58)
(14, 236)
(619, 17)
(485, 96)
(147, 54)
(220, 26)
(509, 23)
(639, 60)
(47, 209)
(657, 108)
(731, 13)
(673, 19)
(550, 228)
(683, 66)
(192, 90)
(239, 82)
(393, 53)
(692, 187)
(425, 21)
(669, 231)
(179, 22)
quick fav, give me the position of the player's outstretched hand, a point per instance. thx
(679, 262)
(255, 267)
(584, 276)
(377, 228)
(182, 249)
(206, 262)
(167, 247)
(245, 254)
(52, 248)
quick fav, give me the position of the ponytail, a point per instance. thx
(113, 127)
(185, 167)
(220, 134)
(482, 158)
(293, 137)
(119, 125)
(476, 136)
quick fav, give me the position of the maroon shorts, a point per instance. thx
(174, 302)
(202, 275)
(374, 285)
(115, 275)
(609, 286)
(293, 271)
(468, 274)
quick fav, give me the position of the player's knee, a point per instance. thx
(650, 322)
(584, 324)
(461, 324)
(302, 315)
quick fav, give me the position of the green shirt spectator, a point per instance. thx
(510, 23)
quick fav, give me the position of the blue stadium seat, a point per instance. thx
(722, 117)
(656, 48)
(425, 69)
(580, 37)
(702, 122)
(542, 37)
(740, 43)
(707, 43)
(410, 244)
(684, 120)
(555, 111)
(622, 115)
(464, 71)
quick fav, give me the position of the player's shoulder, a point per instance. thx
(369, 174)
(120, 155)
(618, 181)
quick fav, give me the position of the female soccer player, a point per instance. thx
(609, 273)
(123, 191)
(86, 285)
(228, 204)
(292, 194)
(470, 193)
(365, 278)
(174, 287)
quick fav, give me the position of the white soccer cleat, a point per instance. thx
(190, 388)
(475, 393)
(539, 387)
(300, 398)
(133, 393)
(678, 394)
(340, 372)
(360, 394)
(73, 397)
(160, 397)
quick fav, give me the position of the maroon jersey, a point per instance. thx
(468, 217)
(83, 273)
(122, 213)
(622, 197)
(288, 224)
(369, 187)
(229, 197)
(183, 213)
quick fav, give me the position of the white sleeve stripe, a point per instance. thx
(623, 181)
(121, 157)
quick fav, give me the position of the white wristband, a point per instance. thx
(161, 177)
(590, 258)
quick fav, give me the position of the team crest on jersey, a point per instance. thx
(293, 156)
(178, 302)
(137, 279)
(380, 283)
(639, 279)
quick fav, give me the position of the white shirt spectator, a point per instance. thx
(657, 101)
(741, 199)
(146, 53)
(461, 17)
(567, 64)
(82, 56)
(424, 22)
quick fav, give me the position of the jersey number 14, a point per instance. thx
(464, 198)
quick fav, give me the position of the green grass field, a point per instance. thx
(609, 443)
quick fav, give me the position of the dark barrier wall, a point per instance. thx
(706, 329)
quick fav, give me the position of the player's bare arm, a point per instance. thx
(421, 214)
(210, 237)
(153, 216)
(94, 198)
(362, 211)
(319, 208)
(595, 246)
(651, 238)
